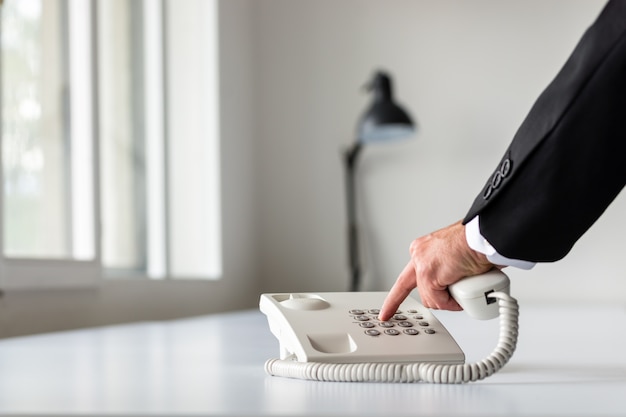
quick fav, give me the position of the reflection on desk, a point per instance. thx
(569, 362)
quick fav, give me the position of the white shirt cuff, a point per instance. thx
(478, 243)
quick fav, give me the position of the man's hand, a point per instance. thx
(437, 260)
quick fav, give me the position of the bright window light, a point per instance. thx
(110, 140)
(192, 132)
(81, 130)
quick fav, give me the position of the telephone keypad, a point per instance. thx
(368, 320)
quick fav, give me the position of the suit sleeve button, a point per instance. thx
(488, 192)
(505, 168)
(497, 179)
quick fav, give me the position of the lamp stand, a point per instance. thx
(349, 158)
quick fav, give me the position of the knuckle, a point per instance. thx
(416, 247)
(413, 247)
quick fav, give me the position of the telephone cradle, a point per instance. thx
(337, 336)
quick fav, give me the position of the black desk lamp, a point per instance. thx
(383, 121)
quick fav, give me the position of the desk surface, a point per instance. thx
(570, 361)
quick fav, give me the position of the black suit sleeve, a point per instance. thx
(567, 161)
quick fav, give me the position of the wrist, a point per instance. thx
(478, 243)
(479, 259)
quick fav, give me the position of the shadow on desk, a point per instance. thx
(566, 364)
(518, 391)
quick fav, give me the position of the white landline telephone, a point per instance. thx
(337, 336)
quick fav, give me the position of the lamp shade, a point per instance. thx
(384, 119)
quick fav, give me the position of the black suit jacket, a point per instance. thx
(567, 161)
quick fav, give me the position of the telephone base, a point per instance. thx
(338, 327)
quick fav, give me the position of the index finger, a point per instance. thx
(405, 283)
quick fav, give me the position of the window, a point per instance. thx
(110, 157)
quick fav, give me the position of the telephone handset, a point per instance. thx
(337, 336)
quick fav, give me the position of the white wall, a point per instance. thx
(469, 72)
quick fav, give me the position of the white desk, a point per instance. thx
(569, 362)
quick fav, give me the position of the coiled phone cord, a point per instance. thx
(413, 372)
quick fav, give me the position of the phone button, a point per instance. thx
(372, 332)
